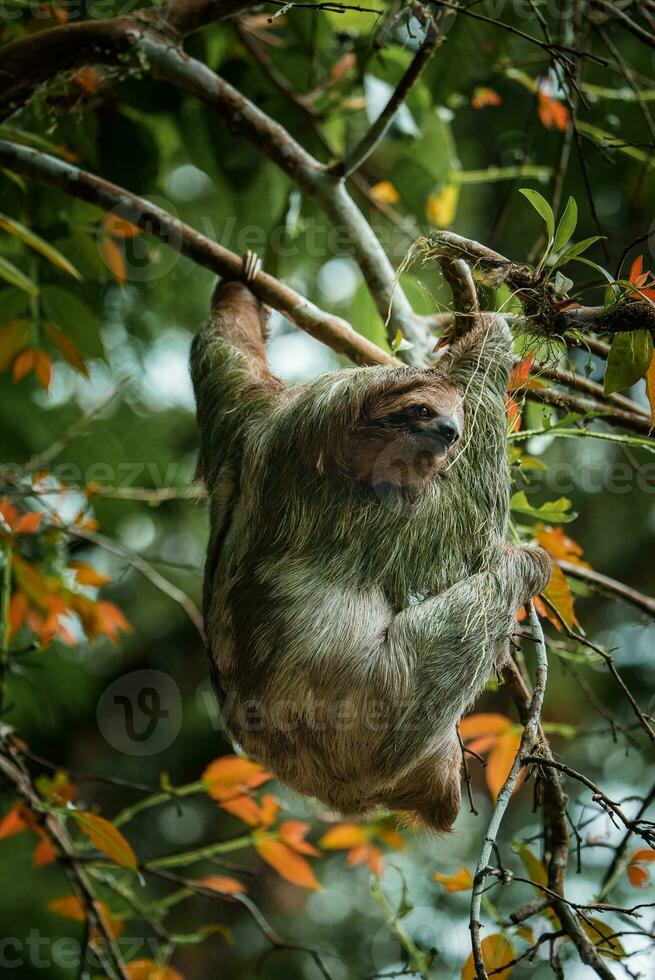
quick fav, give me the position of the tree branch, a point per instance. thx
(603, 583)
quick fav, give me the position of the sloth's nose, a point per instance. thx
(447, 429)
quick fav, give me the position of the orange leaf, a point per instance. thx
(118, 227)
(461, 881)
(23, 364)
(88, 79)
(42, 368)
(17, 612)
(496, 953)
(114, 259)
(232, 774)
(86, 574)
(106, 838)
(13, 822)
(520, 373)
(287, 863)
(44, 853)
(293, 833)
(245, 808)
(13, 338)
(343, 836)
(636, 270)
(559, 593)
(485, 96)
(28, 523)
(513, 414)
(149, 970)
(552, 113)
(638, 869)
(367, 854)
(483, 724)
(70, 907)
(8, 512)
(66, 348)
(500, 761)
(650, 388)
(109, 621)
(558, 544)
(390, 837)
(223, 884)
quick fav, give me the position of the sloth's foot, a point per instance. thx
(252, 266)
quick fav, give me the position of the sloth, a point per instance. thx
(359, 590)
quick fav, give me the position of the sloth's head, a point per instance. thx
(406, 432)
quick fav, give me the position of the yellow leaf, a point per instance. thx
(287, 863)
(500, 761)
(461, 881)
(106, 838)
(442, 207)
(343, 836)
(497, 952)
(533, 866)
(385, 192)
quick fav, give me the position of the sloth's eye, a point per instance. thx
(423, 412)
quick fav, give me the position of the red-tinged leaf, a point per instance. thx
(223, 884)
(461, 881)
(558, 544)
(367, 854)
(287, 863)
(520, 373)
(118, 227)
(42, 369)
(17, 612)
(149, 970)
(513, 414)
(500, 761)
(342, 67)
(13, 338)
(497, 952)
(88, 79)
(86, 574)
(559, 593)
(28, 523)
(23, 364)
(106, 838)
(293, 833)
(343, 836)
(639, 870)
(43, 854)
(14, 822)
(67, 348)
(483, 724)
(229, 775)
(636, 269)
(8, 512)
(114, 259)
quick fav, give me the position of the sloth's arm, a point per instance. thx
(230, 375)
(481, 359)
(453, 638)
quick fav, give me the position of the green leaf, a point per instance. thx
(567, 225)
(577, 249)
(553, 512)
(541, 205)
(629, 357)
(75, 317)
(11, 274)
(28, 237)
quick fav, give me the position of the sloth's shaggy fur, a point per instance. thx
(358, 589)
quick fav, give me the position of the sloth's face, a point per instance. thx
(406, 435)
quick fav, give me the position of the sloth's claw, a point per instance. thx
(252, 266)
